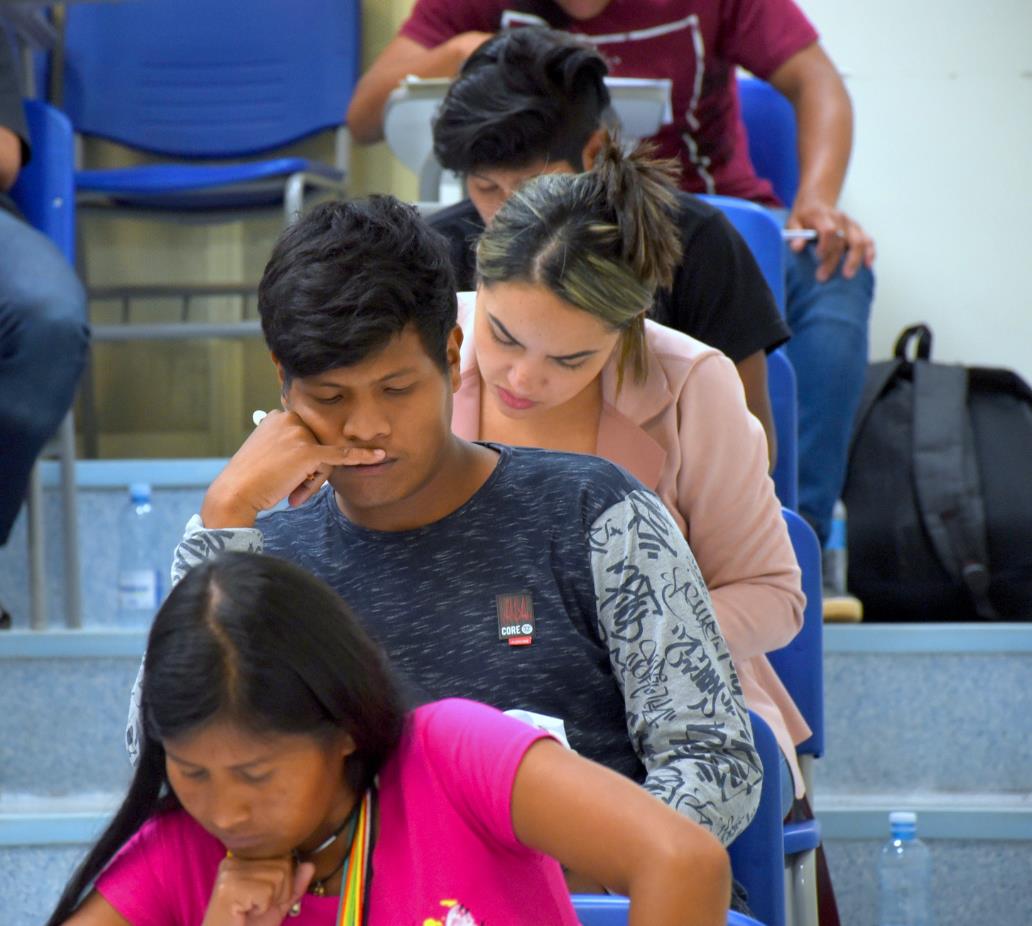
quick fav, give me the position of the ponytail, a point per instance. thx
(641, 191)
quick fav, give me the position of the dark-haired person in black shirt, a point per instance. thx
(532, 101)
(43, 333)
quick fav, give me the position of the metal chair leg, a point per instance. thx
(70, 515)
(37, 585)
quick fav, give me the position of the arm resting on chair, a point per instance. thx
(824, 115)
(10, 158)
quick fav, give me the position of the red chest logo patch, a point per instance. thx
(515, 618)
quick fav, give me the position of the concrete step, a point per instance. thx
(66, 696)
(981, 849)
(41, 842)
(933, 718)
(932, 707)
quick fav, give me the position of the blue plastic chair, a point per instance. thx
(222, 80)
(800, 666)
(757, 855)
(771, 128)
(45, 193)
(216, 84)
(763, 235)
(45, 189)
(784, 405)
(612, 910)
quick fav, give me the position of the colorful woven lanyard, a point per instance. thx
(354, 886)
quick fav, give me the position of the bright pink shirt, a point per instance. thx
(446, 853)
(696, 43)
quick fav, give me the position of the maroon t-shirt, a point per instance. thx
(696, 43)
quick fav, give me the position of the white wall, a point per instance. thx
(942, 167)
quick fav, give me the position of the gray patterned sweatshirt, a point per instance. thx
(561, 587)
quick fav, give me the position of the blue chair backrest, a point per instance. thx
(758, 854)
(800, 664)
(45, 190)
(210, 78)
(763, 235)
(781, 387)
(771, 128)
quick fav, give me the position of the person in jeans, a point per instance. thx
(44, 338)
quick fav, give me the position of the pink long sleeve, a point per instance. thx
(734, 522)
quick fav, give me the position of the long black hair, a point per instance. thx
(264, 645)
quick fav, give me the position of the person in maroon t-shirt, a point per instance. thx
(699, 44)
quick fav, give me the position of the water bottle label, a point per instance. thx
(138, 590)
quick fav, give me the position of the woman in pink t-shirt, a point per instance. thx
(280, 780)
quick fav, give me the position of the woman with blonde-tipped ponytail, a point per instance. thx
(558, 353)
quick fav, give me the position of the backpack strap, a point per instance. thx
(946, 480)
(879, 375)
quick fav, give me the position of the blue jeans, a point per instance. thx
(43, 344)
(828, 349)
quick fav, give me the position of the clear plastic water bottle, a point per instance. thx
(139, 576)
(905, 875)
(835, 554)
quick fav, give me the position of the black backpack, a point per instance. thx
(938, 492)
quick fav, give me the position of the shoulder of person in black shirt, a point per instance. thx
(719, 294)
(460, 225)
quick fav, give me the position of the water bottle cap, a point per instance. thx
(903, 818)
(140, 491)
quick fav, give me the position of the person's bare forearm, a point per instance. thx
(694, 888)
(399, 59)
(753, 372)
(824, 119)
(10, 158)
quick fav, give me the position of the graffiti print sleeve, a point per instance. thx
(685, 712)
(198, 544)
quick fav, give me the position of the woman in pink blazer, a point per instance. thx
(557, 353)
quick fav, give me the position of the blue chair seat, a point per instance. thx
(802, 837)
(200, 186)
